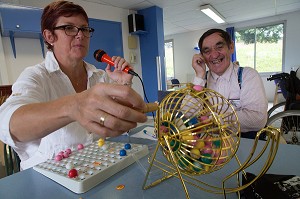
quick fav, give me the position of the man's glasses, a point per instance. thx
(71, 30)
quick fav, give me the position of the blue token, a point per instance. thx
(122, 152)
(127, 146)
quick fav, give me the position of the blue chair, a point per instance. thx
(175, 83)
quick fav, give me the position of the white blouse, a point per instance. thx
(42, 83)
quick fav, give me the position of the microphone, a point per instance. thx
(101, 56)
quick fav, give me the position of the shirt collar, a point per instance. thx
(52, 65)
(91, 69)
(226, 75)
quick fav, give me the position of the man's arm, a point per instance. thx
(254, 103)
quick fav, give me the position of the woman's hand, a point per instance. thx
(117, 74)
(108, 109)
(199, 65)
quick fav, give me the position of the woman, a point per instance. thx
(65, 101)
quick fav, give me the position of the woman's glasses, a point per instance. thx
(71, 30)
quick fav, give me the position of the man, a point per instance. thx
(246, 92)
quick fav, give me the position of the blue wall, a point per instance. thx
(108, 37)
(151, 46)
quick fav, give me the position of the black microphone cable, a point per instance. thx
(101, 56)
(144, 91)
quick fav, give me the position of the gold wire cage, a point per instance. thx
(199, 133)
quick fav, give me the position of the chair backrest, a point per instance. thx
(11, 158)
(175, 81)
(5, 92)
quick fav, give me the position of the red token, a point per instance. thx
(73, 173)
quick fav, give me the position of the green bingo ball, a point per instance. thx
(196, 167)
(217, 143)
(183, 162)
(175, 145)
(206, 159)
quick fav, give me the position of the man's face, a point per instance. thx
(216, 53)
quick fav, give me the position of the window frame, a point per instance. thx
(283, 42)
(168, 41)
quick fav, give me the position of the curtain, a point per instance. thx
(230, 31)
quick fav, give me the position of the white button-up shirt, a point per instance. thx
(42, 83)
(250, 100)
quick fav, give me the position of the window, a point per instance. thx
(261, 47)
(169, 59)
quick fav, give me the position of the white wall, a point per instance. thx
(185, 42)
(29, 50)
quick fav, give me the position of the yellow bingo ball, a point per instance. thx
(100, 142)
(187, 138)
(195, 153)
(199, 144)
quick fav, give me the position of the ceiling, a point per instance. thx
(184, 15)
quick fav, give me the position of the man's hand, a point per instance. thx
(199, 65)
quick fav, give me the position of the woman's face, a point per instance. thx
(71, 47)
(216, 53)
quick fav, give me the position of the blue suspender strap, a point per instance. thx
(205, 86)
(240, 73)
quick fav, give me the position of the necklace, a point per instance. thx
(83, 79)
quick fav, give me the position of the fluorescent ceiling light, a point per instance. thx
(212, 13)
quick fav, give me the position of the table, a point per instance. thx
(31, 184)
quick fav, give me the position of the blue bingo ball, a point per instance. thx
(122, 152)
(127, 146)
(192, 121)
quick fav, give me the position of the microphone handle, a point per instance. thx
(127, 69)
(107, 59)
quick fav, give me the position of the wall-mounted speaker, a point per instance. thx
(136, 23)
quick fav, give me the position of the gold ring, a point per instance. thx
(102, 119)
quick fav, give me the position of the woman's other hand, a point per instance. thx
(117, 74)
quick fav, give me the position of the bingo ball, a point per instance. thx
(73, 173)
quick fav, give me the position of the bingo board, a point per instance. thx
(83, 169)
